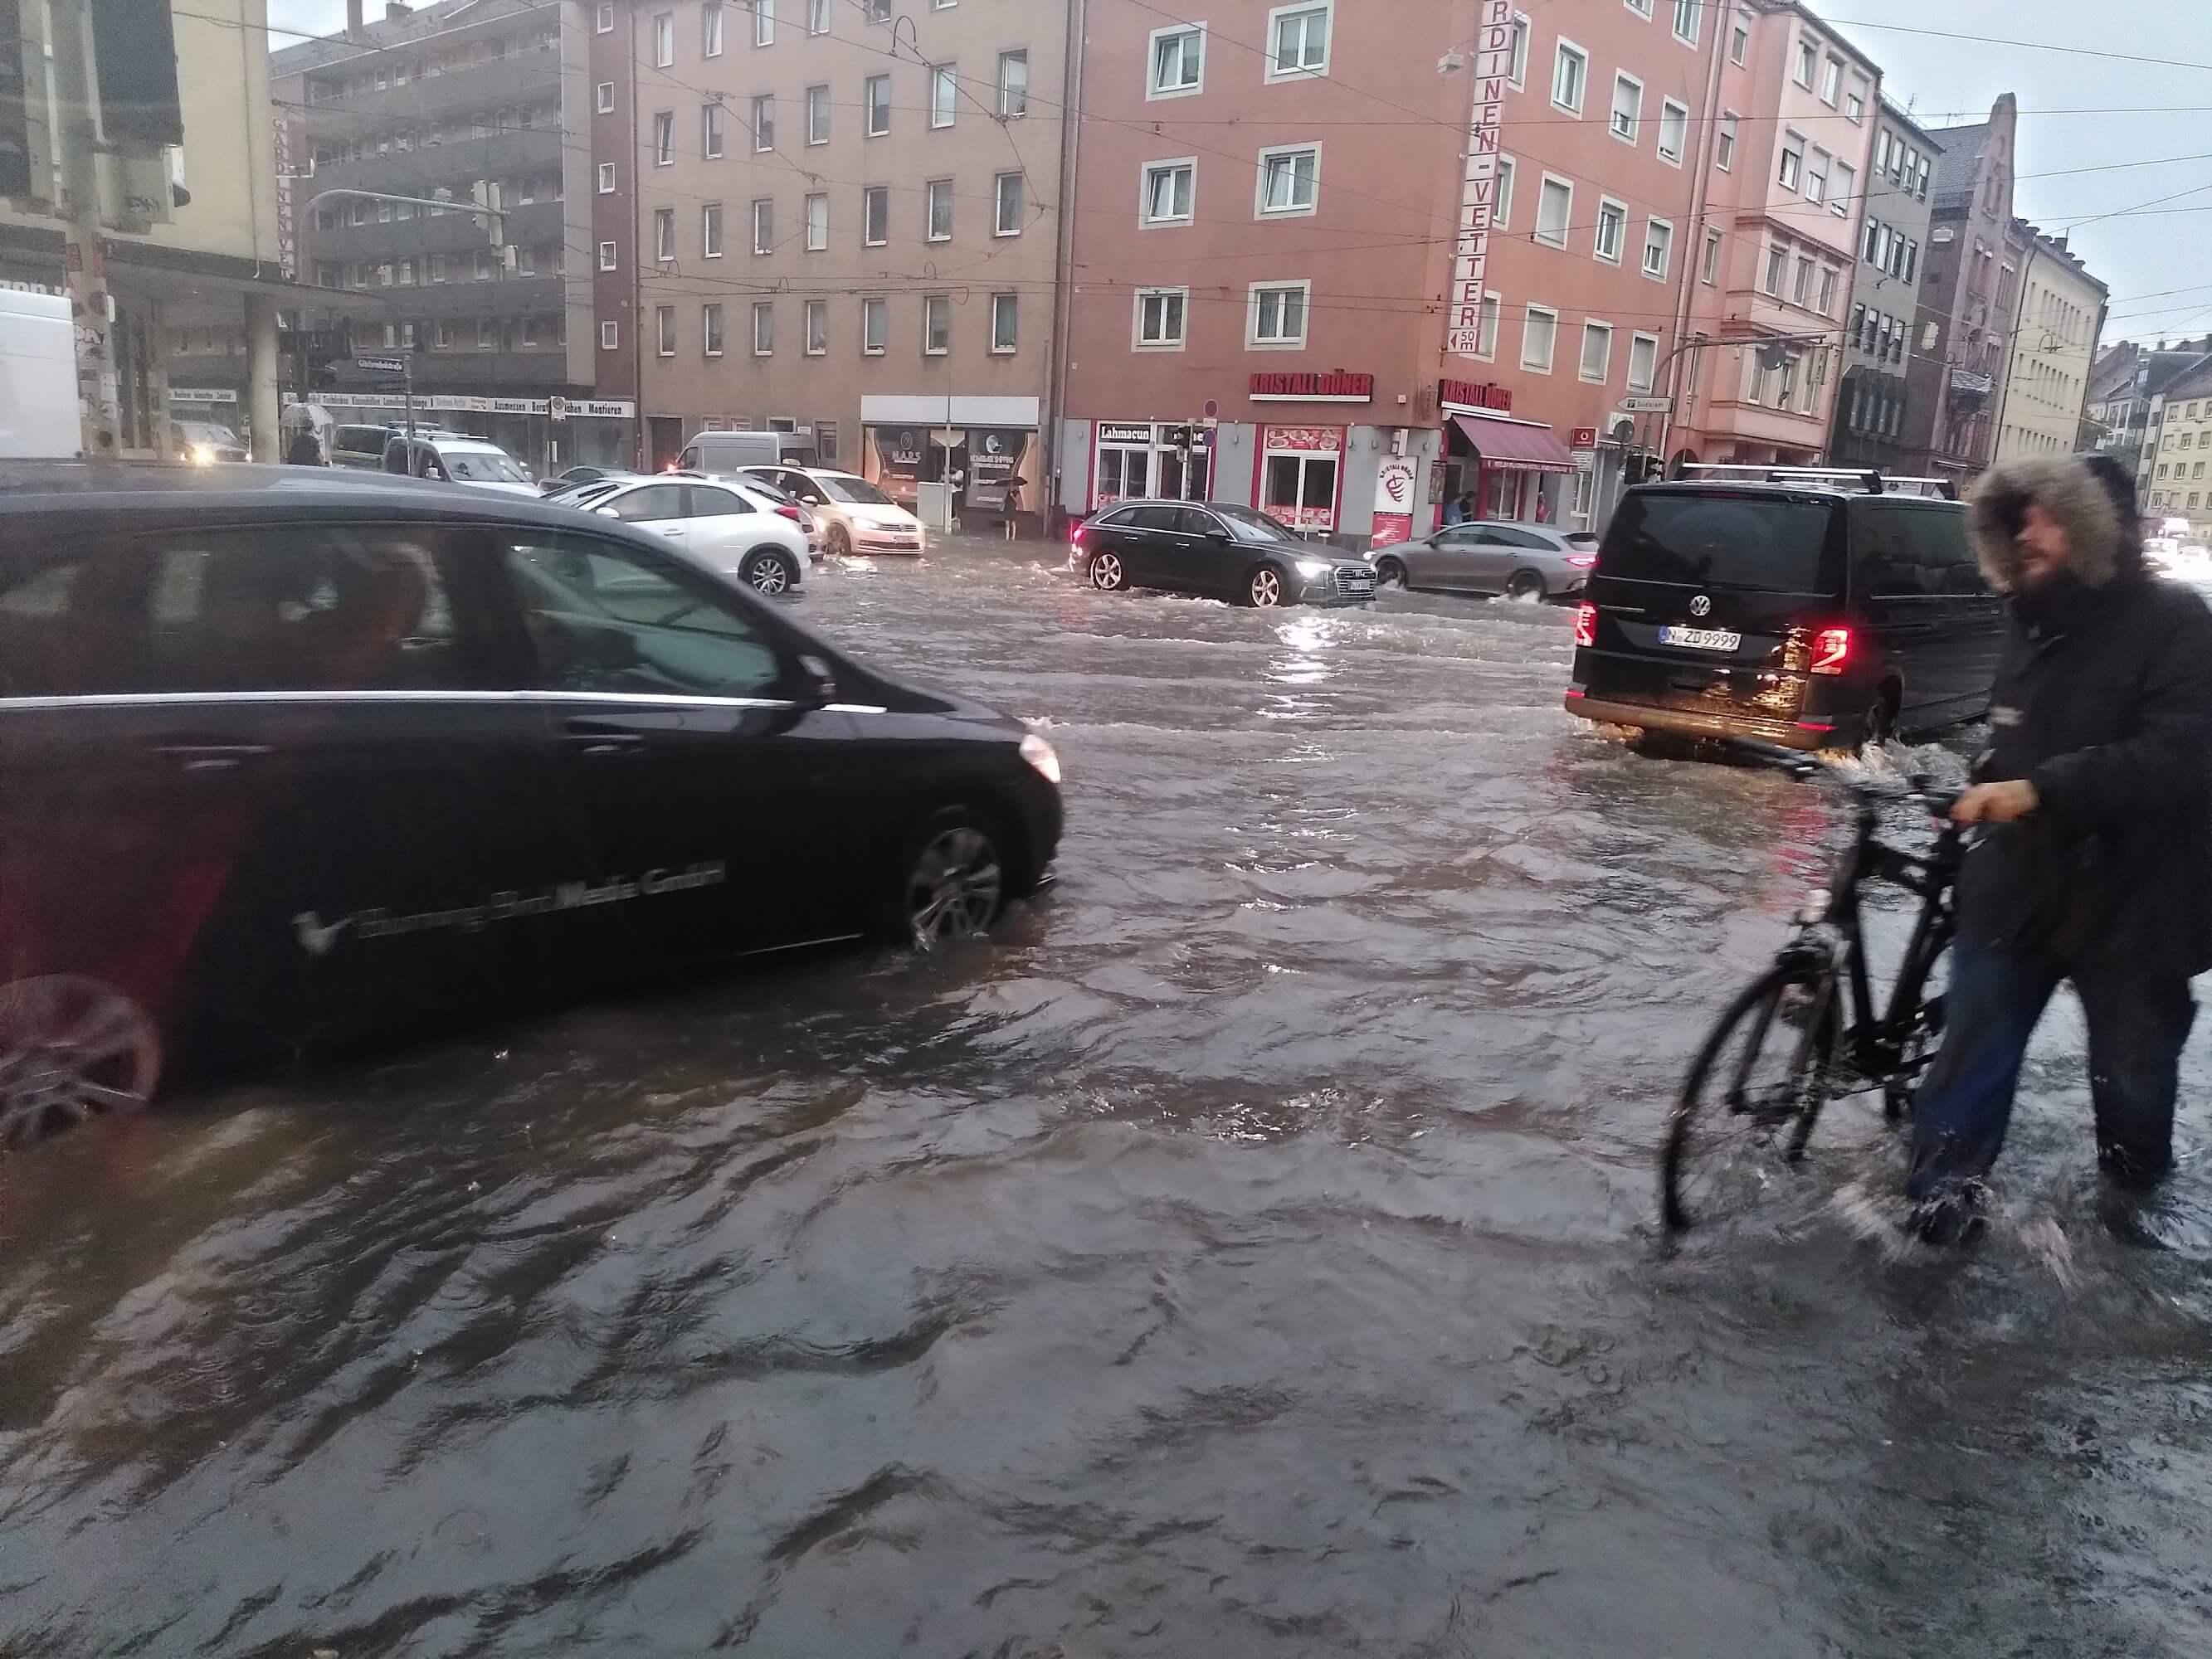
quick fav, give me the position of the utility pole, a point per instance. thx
(72, 86)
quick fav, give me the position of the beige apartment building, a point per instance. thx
(2053, 351)
(836, 219)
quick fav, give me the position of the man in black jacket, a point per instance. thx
(2095, 863)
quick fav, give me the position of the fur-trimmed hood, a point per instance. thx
(2103, 541)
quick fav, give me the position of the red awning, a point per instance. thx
(1504, 443)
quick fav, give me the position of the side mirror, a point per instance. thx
(606, 512)
(818, 685)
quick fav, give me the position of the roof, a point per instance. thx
(250, 491)
(1957, 156)
(1897, 115)
(2192, 382)
(419, 25)
(2055, 248)
(1834, 36)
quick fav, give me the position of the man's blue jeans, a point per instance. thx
(2137, 1024)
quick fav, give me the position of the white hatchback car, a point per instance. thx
(733, 529)
(856, 516)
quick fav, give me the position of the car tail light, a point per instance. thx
(1585, 624)
(1075, 536)
(788, 511)
(1832, 650)
(1582, 561)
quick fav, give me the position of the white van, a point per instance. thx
(38, 377)
(721, 454)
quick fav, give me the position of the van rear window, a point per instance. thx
(1764, 543)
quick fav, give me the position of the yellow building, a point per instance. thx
(2054, 347)
(2180, 481)
(178, 236)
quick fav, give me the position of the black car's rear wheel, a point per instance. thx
(1752, 1095)
(71, 1048)
(950, 881)
(770, 571)
(1265, 587)
(1107, 575)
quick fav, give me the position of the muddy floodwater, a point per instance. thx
(1249, 1251)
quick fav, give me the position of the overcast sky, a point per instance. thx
(2077, 111)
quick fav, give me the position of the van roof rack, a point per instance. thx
(1869, 480)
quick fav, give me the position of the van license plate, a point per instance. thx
(1701, 639)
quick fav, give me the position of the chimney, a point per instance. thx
(397, 11)
(354, 28)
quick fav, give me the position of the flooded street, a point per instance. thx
(1249, 1251)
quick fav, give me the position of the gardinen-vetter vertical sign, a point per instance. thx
(1493, 62)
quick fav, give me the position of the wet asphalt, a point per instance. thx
(1250, 1250)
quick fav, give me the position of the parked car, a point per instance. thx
(359, 446)
(720, 453)
(568, 477)
(1521, 560)
(759, 486)
(1803, 614)
(856, 516)
(204, 443)
(736, 530)
(1215, 551)
(296, 755)
(476, 462)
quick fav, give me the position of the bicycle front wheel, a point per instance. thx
(1752, 1094)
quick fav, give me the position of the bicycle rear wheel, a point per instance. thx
(1753, 1093)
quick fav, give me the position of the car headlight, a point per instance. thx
(203, 454)
(1314, 570)
(1042, 756)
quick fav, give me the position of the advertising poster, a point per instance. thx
(1393, 499)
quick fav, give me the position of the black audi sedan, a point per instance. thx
(290, 752)
(1217, 551)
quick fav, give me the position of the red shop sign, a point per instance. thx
(1476, 394)
(1299, 386)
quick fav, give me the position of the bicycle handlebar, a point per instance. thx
(1806, 769)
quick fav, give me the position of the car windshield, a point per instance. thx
(1769, 543)
(482, 466)
(857, 492)
(763, 487)
(1249, 526)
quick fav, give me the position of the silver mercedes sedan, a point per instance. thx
(1521, 561)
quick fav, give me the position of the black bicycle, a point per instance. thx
(1808, 1030)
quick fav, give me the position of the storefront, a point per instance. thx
(985, 447)
(1135, 458)
(544, 434)
(1299, 476)
(1507, 468)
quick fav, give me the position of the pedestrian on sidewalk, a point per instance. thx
(2094, 860)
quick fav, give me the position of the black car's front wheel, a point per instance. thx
(1107, 575)
(71, 1048)
(1390, 572)
(771, 571)
(950, 881)
(1266, 588)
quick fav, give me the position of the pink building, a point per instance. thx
(1773, 243)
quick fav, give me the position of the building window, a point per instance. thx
(1502, 209)
(879, 104)
(1627, 107)
(764, 328)
(940, 209)
(1570, 74)
(1641, 7)
(603, 23)
(1298, 39)
(1643, 362)
(1290, 180)
(944, 94)
(875, 326)
(1178, 61)
(1597, 351)
(763, 225)
(876, 215)
(609, 336)
(1658, 248)
(1673, 130)
(1778, 260)
(1740, 40)
(764, 122)
(1832, 81)
(1809, 58)
(1010, 195)
(664, 233)
(1277, 315)
(817, 17)
(1516, 63)
(1013, 84)
(1485, 333)
(664, 39)
(817, 223)
(936, 325)
(710, 132)
(1792, 170)
(1847, 181)
(1855, 100)
(817, 115)
(710, 230)
(606, 177)
(603, 97)
(1686, 20)
(710, 330)
(1171, 191)
(1555, 206)
(1710, 271)
(1816, 175)
(710, 29)
(1006, 324)
(1612, 230)
(818, 328)
(664, 138)
(1539, 331)
(1829, 275)
(664, 329)
(1160, 314)
(1800, 291)
(764, 22)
